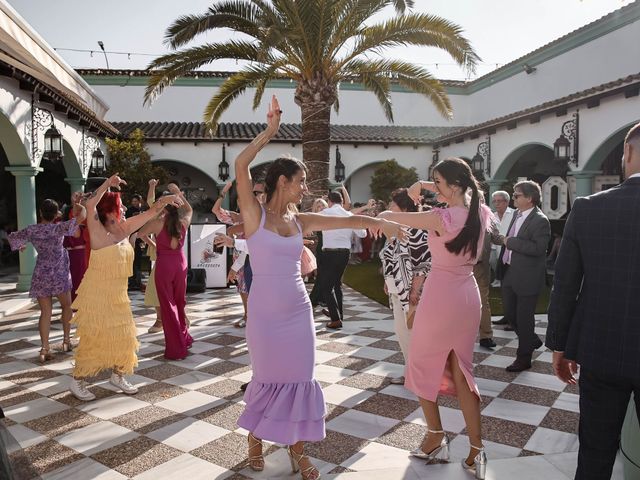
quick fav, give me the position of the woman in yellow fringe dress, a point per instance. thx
(104, 320)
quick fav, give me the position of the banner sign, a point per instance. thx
(203, 254)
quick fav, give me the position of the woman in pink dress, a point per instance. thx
(171, 274)
(448, 315)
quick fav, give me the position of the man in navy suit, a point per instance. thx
(594, 312)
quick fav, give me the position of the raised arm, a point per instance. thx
(250, 207)
(415, 190)
(185, 210)
(217, 206)
(312, 222)
(346, 199)
(421, 220)
(151, 192)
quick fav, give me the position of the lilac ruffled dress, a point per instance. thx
(284, 402)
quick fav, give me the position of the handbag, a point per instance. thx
(307, 262)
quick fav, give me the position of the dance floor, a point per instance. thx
(183, 420)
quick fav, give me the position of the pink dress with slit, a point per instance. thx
(448, 314)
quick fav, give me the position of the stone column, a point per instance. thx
(584, 181)
(76, 183)
(26, 209)
(495, 184)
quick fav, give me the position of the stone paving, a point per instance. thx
(183, 420)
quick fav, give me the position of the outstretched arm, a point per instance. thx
(250, 207)
(312, 222)
(421, 220)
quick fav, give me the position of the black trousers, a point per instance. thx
(334, 264)
(603, 405)
(519, 310)
(314, 296)
(135, 280)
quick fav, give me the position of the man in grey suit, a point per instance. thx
(522, 269)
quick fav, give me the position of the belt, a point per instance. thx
(336, 249)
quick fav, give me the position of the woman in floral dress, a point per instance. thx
(51, 276)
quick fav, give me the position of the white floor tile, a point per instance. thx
(23, 412)
(345, 396)
(399, 391)
(188, 467)
(357, 340)
(96, 437)
(193, 380)
(190, 403)
(497, 360)
(112, 407)
(568, 401)
(85, 469)
(372, 353)
(524, 468)
(492, 388)
(50, 386)
(540, 380)
(545, 440)
(24, 437)
(188, 434)
(385, 369)
(516, 411)
(10, 368)
(329, 374)
(377, 456)
(361, 424)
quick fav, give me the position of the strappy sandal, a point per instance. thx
(479, 466)
(309, 473)
(441, 451)
(45, 355)
(66, 344)
(256, 462)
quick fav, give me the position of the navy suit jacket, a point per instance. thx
(594, 310)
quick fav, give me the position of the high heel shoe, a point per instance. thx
(66, 344)
(479, 463)
(45, 355)
(309, 473)
(433, 454)
(256, 462)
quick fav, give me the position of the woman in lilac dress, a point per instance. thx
(284, 403)
(51, 276)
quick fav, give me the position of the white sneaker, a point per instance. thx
(79, 390)
(122, 383)
(397, 381)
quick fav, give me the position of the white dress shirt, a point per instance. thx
(516, 228)
(635, 175)
(503, 225)
(340, 238)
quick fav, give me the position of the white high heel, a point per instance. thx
(479, 463)
(442, 450)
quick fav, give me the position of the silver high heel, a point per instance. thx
(442, 449)
(479, 463)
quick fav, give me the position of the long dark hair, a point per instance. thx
(402, 199)
(286, 166)
(456, 171)
(172, 222)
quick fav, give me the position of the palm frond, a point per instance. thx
(401, 6)
(238, 15)
(412, 77)
(230, 90)
(269, 74)
(174, 65)
(416, 29)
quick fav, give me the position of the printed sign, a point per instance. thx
(204, 256)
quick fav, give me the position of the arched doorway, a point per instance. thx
(534, 161)
(358, 183)
(607, 159)
(200, 189)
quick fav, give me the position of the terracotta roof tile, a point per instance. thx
(288, 132)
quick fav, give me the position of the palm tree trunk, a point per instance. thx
(315, 96)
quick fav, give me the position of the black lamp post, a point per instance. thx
(52, 143)
(340, 169)
(223, 166)
(41, 119)
(562, 147)
(482, 158)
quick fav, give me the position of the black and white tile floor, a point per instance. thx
(182, 421)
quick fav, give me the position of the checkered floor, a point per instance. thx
(183, 420)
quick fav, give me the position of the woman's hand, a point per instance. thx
(273, 118)
(173, 188)
(153, 183)
(174, 200)
(233, 275)
(393, 230)
(114, 181)
(220, 239)
(79, 211)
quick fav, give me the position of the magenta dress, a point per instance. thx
(448, 314)
(51, 275)
(171, 285)
(284, 402)
(77, 259)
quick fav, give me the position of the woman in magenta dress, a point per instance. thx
(284, 403)
(448, 314)
(75, 246)
(51, 277)
(171, 274)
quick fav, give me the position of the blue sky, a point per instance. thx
(499, 30)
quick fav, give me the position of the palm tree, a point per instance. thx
(317, 44)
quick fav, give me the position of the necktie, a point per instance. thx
(506, 258)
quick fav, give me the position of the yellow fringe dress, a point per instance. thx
(104, 319)
(151, 294)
